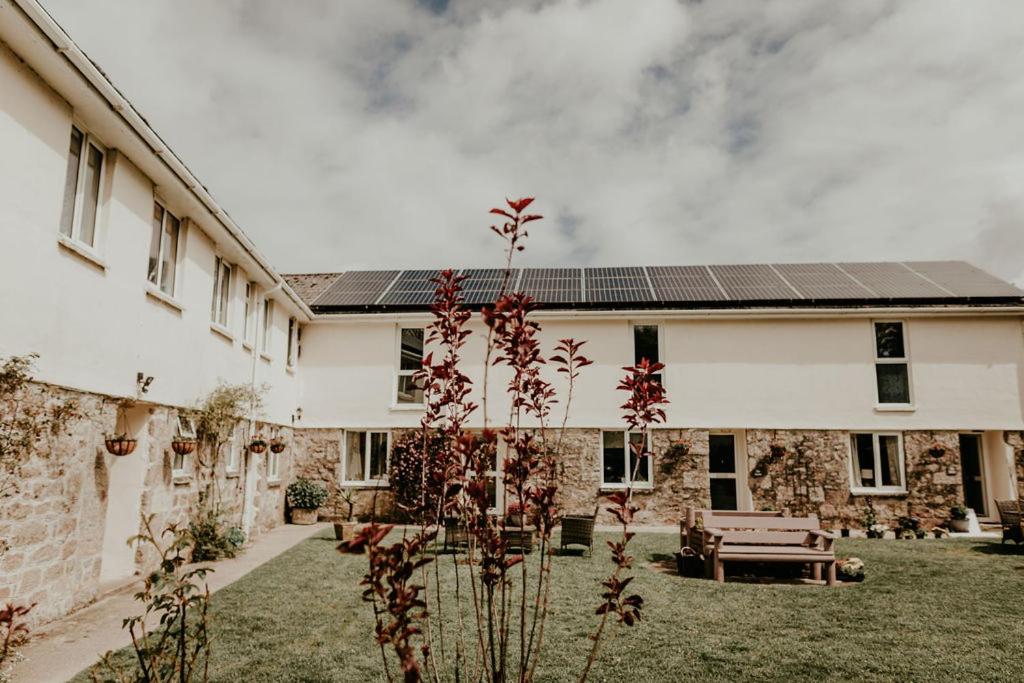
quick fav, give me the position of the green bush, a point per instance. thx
(306, 495)
(212, 539)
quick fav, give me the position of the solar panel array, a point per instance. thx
(682, 286)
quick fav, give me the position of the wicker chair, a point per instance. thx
(1010, 518)
(455, 534)
(579, 530)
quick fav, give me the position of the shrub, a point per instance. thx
(13, 634)
(212, 539)
(407, 477)
(306, 495)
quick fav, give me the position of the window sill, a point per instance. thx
(366, 484)
(266, 357)
(877, 492)
(181, 479)
(222, 331)
(290, 369)
(273, 483)
(614, 488)
(232, 474)
(895, 408)
(408, 406)
(163, 298)
(247, 345)
(82, 251)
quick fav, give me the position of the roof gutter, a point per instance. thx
(74, 55)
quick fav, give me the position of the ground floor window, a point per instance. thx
(184, 429)
(877, 462)
(233, 448)
(618, 462)
(365, 461)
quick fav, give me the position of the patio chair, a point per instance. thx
(579, 530)
(455, 534)
(1010, 519)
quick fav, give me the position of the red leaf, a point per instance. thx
(519, 204)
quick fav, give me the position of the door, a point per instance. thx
(971, 471)
(126, 476)
(722, 469)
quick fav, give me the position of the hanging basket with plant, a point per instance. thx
(183, 446)
(936, 450)
(277, 445)
(258, 444)
(120, 444)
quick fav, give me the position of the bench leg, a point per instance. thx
(719, 570)
(816, 571)
(831, 568)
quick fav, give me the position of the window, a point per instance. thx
(366, 458)
(163, 249)
(618, 471)
(892, 369)
(722, 472)
(184, 429)
(876, 462)
(293, 341)
(273, 465)
(221, 292)
(234, 448)
(268, 324)
(249, 321)
(410, 360)
(82, 189)
(645, 345)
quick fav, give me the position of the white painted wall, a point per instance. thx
(95, 326)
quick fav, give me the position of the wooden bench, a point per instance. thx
(691, 528)
(768, 539)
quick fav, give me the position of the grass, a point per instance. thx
(929, 610)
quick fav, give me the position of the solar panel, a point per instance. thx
(963, 279)
(411, 288)
(482, 285)
(893, 281)
(822, 281)
(684, 283)
(356, 288)
(553, 285)
(616, 285)
(752, 283)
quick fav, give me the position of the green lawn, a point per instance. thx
(929, 610)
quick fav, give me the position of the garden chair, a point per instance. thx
(579, 530)
(455, 534)
(1010, 519)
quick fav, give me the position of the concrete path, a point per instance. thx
(62, 648)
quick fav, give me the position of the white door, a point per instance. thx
(126, 476)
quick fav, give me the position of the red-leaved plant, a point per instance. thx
(505, 598)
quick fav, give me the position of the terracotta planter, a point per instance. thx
(959, 525)
(183, 446)
(121, 447)
(345, 531)
(277, 446)
(258, 446)
(303, 516)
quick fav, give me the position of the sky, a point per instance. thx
(356, 134)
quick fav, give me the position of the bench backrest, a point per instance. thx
(762, 523)
(767, 538)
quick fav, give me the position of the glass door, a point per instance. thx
(971, 471)
(722, 469)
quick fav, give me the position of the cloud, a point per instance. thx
(346, 135)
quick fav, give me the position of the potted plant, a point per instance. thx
(345, 530)
(305, 498)
(908, 527)
(777, 450)
(183, 445)
(277, 444)
(958, 519)
(516, 515)
(258, 444)
(120, 444)
(940, 532)
(877, 530)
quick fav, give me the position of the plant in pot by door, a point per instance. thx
(958, 519)
(345, 530)
(304, 499)
(258, 444)
(516, 516)
(119, 444)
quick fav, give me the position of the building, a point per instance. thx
(802, 387)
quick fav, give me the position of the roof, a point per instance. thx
(795, 285)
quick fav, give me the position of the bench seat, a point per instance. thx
(800, 546)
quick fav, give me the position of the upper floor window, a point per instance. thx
(293, 342)
(892, 364)
(877, 462)
(163, 249)
(410, 360)
(366, 458)
(268, 324)
(249, 320)
(645, 345)
(82, 185)
(221, 292)
(619, 467)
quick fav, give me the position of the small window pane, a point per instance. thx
(893, 383)
(645, 343)
(723, 494)
(354, 457)
(268, 322)
(93, 168)
(643, 472)
(412, 349)
(153, 272)
(864, 463)
(614, 458)
(722, 454)
(408, 390)
(889, 453)
(378, 455)
(169, 254)
(889, 340)
(224, 282)
(179, 462)
(249, 307)
(67, 214)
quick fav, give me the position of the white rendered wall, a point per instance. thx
(96, 327)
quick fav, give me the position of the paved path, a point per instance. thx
(62, 648)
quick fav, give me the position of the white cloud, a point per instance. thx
(360, 134)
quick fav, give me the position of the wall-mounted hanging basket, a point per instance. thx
(120, 444)
(257, 445)
(277, 445)
(183, 446)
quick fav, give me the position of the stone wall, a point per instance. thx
(52, 527)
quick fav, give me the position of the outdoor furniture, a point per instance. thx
(1011, 521)
(455, 534)
(579, 530)
(690, 529)
(521, 537)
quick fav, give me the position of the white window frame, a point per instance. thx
(266, 332)
(293, 343)
(251, 307)
(366, 482)
(156, 286)
(180, 464)
(234, 446)
(661, 343)
(628, 483)
(903, 360)
(223, 275)
(854, 462)
(79, 203)
(399, 372)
